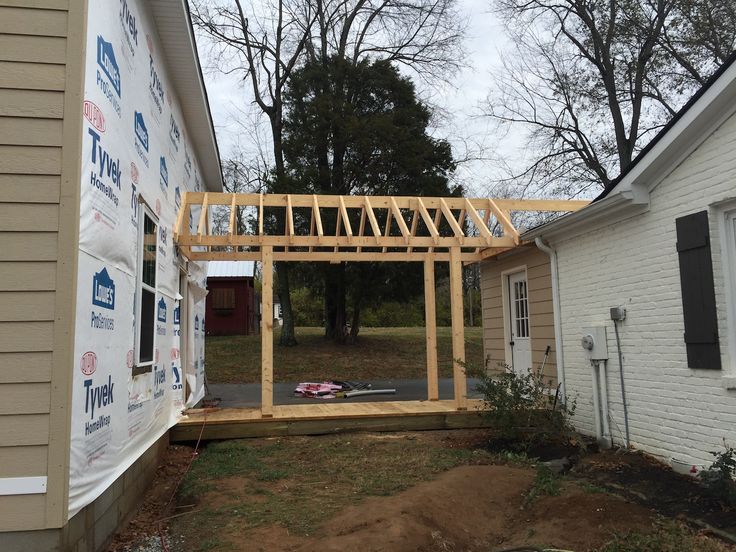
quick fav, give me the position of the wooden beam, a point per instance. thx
(233, 211)
(267, 332)
(431, 225)
(331, 256)
(505, 221)
(430, 323)
(346, 220)
(372, 218)
(361, 226)
(311, 228)
(478, 222)
(202, 219)
(289, 216)
(317, 218)
(388, 228)
(437, 220)
(459, 234)
(260, 214)
(179, 226)
(338, 227)
(459, 378)
(400, 220)
(413, 229)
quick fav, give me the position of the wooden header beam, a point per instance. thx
(323, 227)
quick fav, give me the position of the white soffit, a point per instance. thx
(230, 269)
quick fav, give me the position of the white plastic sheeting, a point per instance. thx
(135, 149)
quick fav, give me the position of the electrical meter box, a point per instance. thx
(595, 343)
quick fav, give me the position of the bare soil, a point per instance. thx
(467, 508)
(438, 491)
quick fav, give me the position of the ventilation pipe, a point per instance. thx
(559, 356)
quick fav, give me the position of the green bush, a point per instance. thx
(524, 406)
(719, 477)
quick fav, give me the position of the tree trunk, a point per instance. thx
(335, 312)
(288, 338)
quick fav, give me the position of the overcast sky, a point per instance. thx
(458, 118)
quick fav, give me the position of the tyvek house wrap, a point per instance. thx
(135, 147)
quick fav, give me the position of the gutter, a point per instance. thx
(559, 355)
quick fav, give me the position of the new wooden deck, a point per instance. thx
(320, 418)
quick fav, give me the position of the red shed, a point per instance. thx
(231, 305)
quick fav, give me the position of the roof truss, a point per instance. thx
(351, 228)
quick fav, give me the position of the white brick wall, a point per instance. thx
(674, 411)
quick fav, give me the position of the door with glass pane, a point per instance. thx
(520, 344)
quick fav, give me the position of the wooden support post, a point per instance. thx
(267, 332)
(458, 330)
(431, 329)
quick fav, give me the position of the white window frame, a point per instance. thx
(144, 211)
(727, 228)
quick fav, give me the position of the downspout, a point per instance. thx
(559, 356)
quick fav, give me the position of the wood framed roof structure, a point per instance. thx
(334, 228)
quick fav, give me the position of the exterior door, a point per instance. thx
(520, 345)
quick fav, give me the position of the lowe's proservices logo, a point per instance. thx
(103, 290)
(108, 73)
(163, 174)
(141, 136)
(161, 313)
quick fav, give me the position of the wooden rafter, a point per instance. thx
(470, 226)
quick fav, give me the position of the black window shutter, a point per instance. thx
(698, 291)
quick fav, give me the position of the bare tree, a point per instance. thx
(590, 82)
(265, 47)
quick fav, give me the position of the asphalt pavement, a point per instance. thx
(248, 395)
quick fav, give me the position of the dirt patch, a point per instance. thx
(467, 508)
(650, 483)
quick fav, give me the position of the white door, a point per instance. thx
(521, 354)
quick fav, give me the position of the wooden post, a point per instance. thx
(458, 329)
(267, 332)
(431, 328)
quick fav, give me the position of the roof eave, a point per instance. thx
(174, 25)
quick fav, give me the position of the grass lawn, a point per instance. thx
(380, 353)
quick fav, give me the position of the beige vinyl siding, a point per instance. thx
(541, 318)
(38, 49)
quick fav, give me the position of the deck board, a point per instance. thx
(310, 419)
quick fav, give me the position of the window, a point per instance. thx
(146, 290)
(223, 299)
(521, 309)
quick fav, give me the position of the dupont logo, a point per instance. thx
(175, 353)
(107, 62)
(88, 364)
(134, 174)
(161, 311)
(130, 358)
(94, 115)
(141, 132)
(103, 290)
